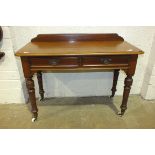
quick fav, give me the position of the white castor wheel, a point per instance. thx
(34, 119)
(120, 114)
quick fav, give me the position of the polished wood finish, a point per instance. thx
(54, 61)
(77, 48)
(31, 91)
(127, 86)
(30, 86)
(40, 83)
(106, 60)
(77, 37)
(64, 47)
(115, 79)
(78, 53)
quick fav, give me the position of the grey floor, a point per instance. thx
(81, 113)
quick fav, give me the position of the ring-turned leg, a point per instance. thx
(115, 79)
(40, 83)
(127, 86)
(31, 91)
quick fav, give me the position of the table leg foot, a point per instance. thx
(127, 86)
(31, 91)
(33, 119)
(34, 116)
(111, 96)
(115, 79)
(121, 113)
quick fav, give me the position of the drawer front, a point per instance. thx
(54, 61)
(105, 60)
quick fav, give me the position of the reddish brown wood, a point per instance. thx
(78, 52)
(128, 82)
(115, 79)
(40, 83)
(78, 44)
(78, 48)
(132, 65)
(83, 61)
(30, 85)
(127, 86)
(106, 60)
(54, 61)
(78, 63)
(31, 91)
(26, 67)
(77, 37)
(78, 69)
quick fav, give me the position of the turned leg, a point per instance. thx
(127, 86)
(115, 78)
(31, 91)
(40, 83)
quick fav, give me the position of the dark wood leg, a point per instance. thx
(40, 83)
(115, 79)
(127, 86)
(31, 91)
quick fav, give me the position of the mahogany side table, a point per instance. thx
(78, 52)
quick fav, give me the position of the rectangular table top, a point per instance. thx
(75, 47)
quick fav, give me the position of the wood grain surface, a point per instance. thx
(78, 52)
(78, 48)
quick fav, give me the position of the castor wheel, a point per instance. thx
(120, 114)
(34, 119)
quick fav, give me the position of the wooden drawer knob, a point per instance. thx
(106, 60)
(53, 62)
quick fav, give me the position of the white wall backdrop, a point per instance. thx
(11, 89)
(148, 86)
(86, 84)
